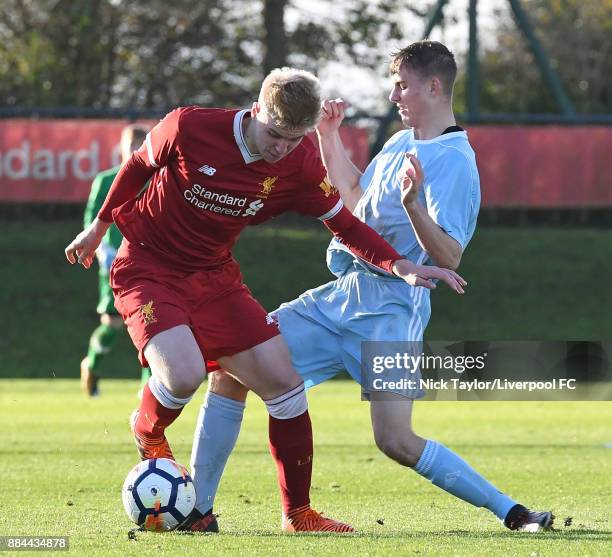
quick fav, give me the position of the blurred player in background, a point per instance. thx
(428, 216)
(102, 338)
(180, 291)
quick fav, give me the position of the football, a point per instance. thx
(158, 494)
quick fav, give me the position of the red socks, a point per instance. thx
(153, 417)
(291, 448)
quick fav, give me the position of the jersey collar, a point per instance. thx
(444, 137)
(240, 140)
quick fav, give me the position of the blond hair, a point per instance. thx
(291, 98)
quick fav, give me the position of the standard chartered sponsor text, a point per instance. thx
(215, 202)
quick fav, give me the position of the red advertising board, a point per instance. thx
(545, 166)
(55, 161)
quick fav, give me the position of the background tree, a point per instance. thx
(157, 54)
(577, 37)
(275, 35)
(138, 54)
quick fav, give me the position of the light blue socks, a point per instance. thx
(448, 471)
(215, 437)
(223, 417)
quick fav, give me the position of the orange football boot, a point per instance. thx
(306, 519)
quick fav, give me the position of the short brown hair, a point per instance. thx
(428, 59)
(291, 98)
(135, 132)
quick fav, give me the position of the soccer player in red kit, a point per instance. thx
(179, 289)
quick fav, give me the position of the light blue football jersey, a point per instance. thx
(325, 327)
(450, 191)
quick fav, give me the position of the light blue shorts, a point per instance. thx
(325, 326)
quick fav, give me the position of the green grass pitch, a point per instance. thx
(524, 284)
(64, 459)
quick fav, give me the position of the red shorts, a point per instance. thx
(215, 304)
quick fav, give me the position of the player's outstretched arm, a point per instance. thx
(368, 245)
(343, 174)
(83, 248)
(423, 275)
(130, 180)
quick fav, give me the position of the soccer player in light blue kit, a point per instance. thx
(422, 194)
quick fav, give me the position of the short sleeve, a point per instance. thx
(449, 194)
(319, 198)
(159, 145)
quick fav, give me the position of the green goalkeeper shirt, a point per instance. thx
(99, 189)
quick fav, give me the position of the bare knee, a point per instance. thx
(176, 361)
(181, 380)
(405, 448)
(223, 384)
(265, 369)
(185, 376)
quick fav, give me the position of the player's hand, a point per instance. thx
(424, 275)
(82, 249)
(412, 180)
(332, 114)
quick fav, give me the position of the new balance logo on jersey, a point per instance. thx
(208, 170)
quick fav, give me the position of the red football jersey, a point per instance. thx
(207, 186)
